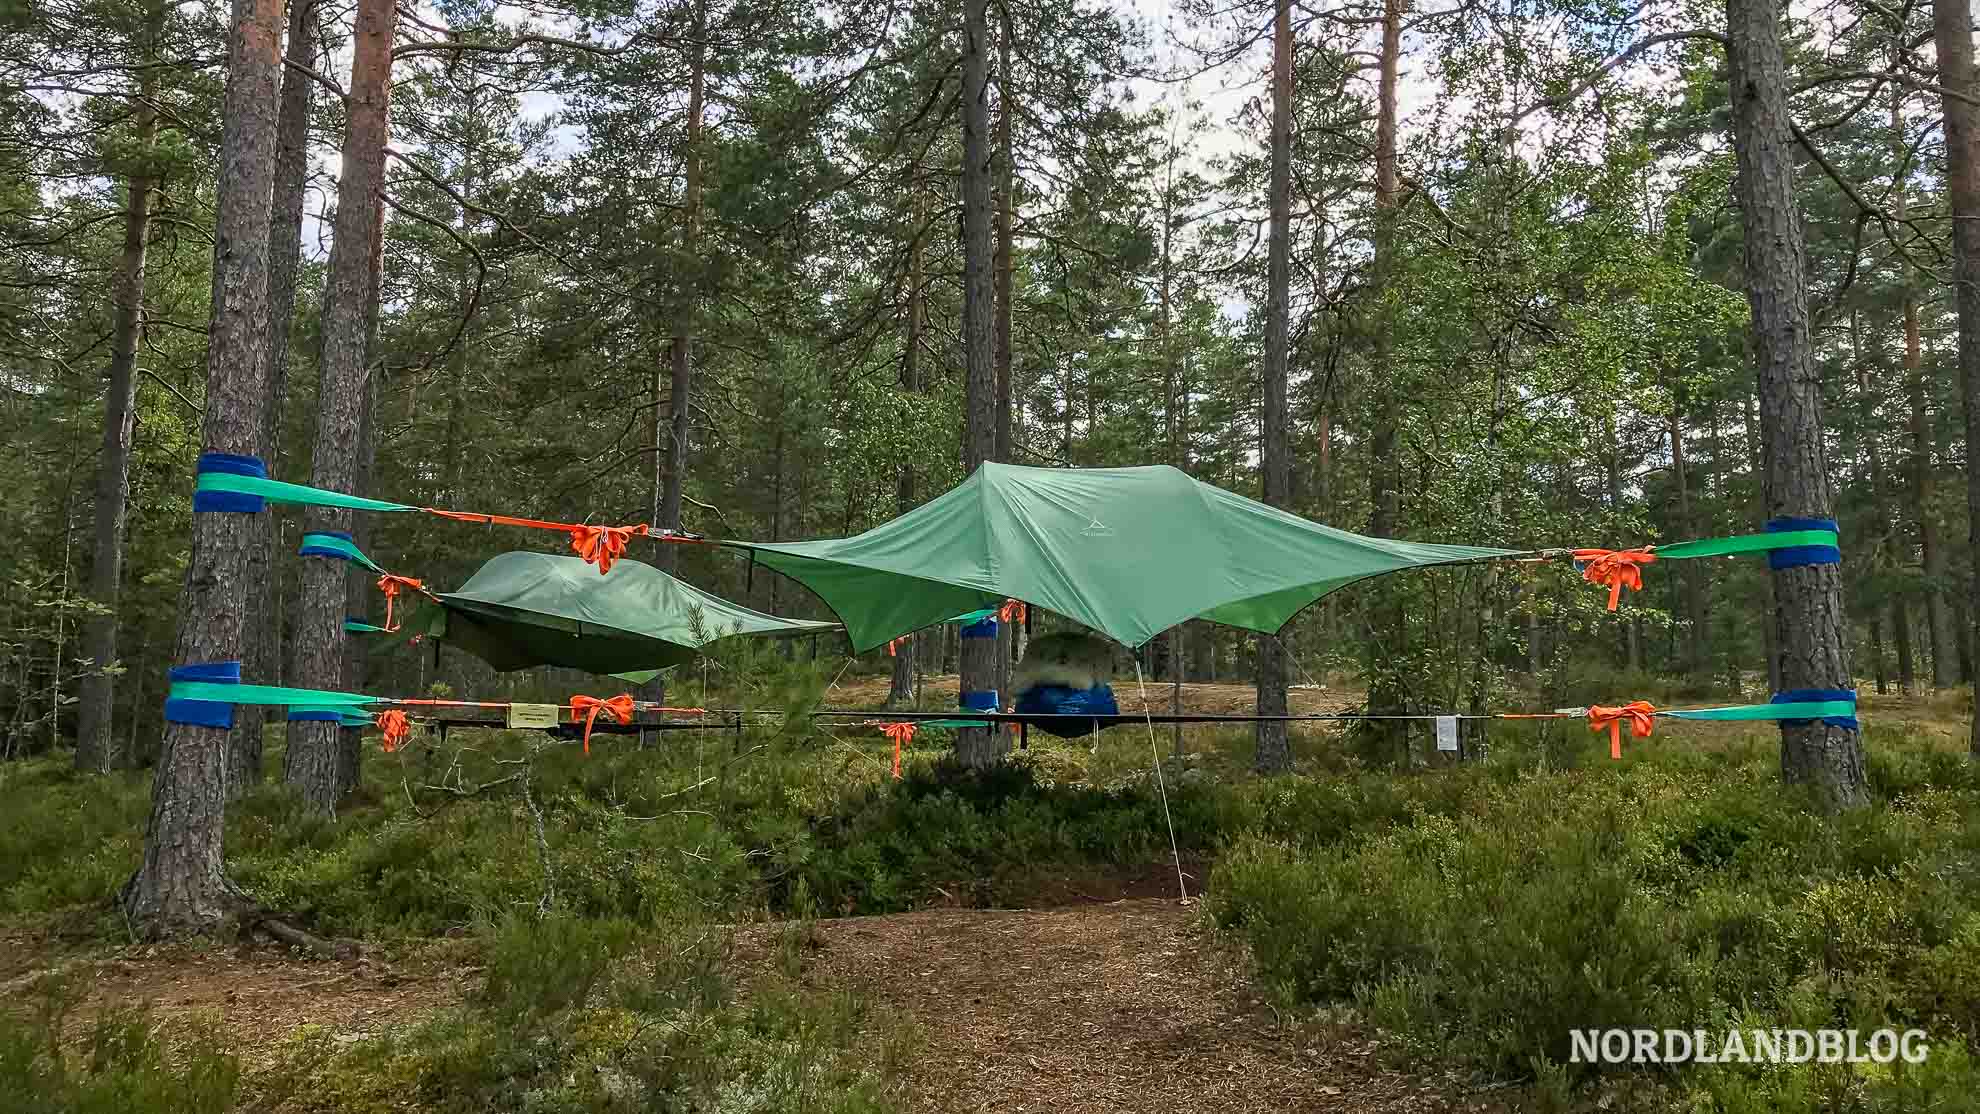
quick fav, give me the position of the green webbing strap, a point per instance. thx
(976, 616)
(315, 544)
(955, 723)
(358, 626)
(345, 717)
(275, 491)
(318, 699)
(1818, 709)
(1746, 543)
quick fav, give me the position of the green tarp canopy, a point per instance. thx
(525, 609)
(1130, 552)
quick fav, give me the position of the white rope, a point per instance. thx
(1161, 785)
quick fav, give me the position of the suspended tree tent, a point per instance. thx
(526, 609)
(1129, 552)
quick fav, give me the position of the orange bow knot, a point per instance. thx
(1639, 714)
(602, 545)
(1012, 611)
(901, 733)
(1614, 569)
(397, 729)
(619, 707)
(390, 585)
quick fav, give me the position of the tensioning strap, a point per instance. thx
(337, 545)
(1788, 542)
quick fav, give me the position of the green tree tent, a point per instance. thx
(1130, 552)
(524, 609)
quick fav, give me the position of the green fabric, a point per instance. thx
(353, 626)
(1745, 543)
(955, 723)
(976, 616)
(1129, 552)
(1816, 709)
(268, 694)
(275, 491)
(525, 609)
(342, 545)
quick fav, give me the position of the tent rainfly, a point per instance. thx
(524, 609)
(1130, 552)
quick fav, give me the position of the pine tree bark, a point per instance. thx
(667, 514)
(263, 651)
(1952, 31)
(96, 739)
(180, 885)
(900, 691)
(1007, 641)
(1274, 754)
(1808, 600)
(314, 760)
(978, 748)
(358, 582)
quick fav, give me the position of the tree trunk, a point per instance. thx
(1808, 599)
(1695, 652)
(263, 649)
(358, 583)
(180, 885)
(900, 691)
(313, 761)
(1274, 754)
(1885, 520)
(978, 748)
(96, 740)
(1952, 31)
(681, 371)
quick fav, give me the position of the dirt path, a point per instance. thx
(1124, 1006)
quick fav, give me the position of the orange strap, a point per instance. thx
(1012, 611)
(620, 707)
(1639, 713)
(900, 733)
(390, 584)
(892, 642)
(396, 727)
(1614, 569)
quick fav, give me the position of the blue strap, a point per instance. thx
(230, 500)
(1799, 556)
(1810, 696)
(985, 701)
(203, 713)
(982, 628)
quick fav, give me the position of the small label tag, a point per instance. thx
(534, 715)
(1447, 733)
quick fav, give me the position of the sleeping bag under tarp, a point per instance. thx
(1057, 700)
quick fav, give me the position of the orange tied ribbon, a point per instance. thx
(900, 733)
(893, 642)
(1012, 611)
(602, 545)
(1639, 713)
(390, 584)
(397, 729)
(1614, 569)
(620, 707)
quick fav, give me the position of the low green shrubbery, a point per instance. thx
(113, 1063)
(1485, 911)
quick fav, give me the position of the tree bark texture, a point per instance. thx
(900, 691)
(1808, 600)
(978, 748)
(1274, 753)
(262, 655)
(180, 886)
(313, 760)
(1952, 31)
(96, 746)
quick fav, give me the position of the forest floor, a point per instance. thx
(1103, 1005)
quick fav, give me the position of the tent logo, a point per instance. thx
(1096, 528)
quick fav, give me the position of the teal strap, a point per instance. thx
(322, 545)
(359, 626)
(1819, 709)
(976, 616)
(321, 699)
(275, 491)
(955, 723)
(1746, 543)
